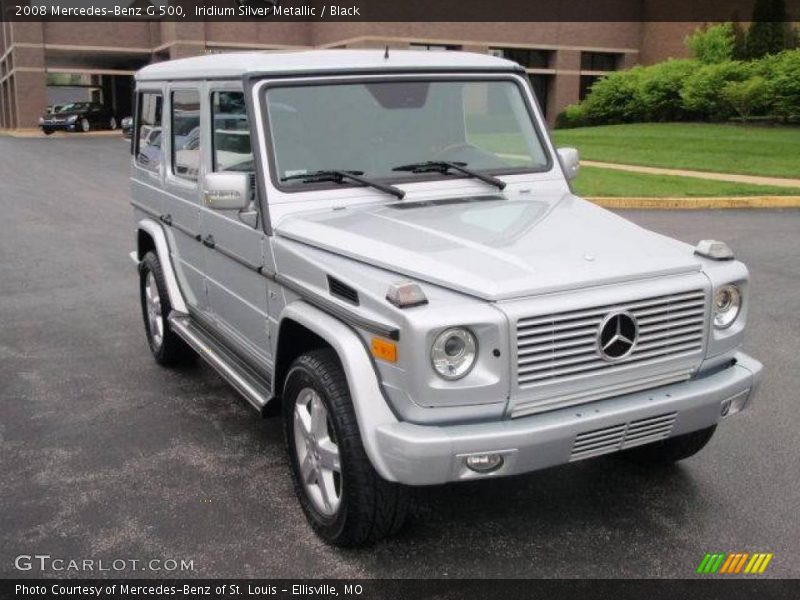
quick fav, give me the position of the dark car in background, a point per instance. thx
(78, 116)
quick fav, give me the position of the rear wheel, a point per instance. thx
(167, 348)
(345, 500)
(671, 450)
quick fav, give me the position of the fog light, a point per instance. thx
(484, 463)
(736, 404)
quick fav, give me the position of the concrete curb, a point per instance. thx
(37, 133)
(700, 203)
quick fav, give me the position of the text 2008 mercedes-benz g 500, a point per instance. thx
(385, 244)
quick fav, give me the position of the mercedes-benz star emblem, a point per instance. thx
(617, 335)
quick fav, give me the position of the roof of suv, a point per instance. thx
(239, 64)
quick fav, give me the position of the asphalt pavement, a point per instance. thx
(105, 455)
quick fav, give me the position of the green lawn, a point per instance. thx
(593, 181)
(768, 151)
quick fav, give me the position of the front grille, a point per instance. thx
(622, 436)
(556, 347)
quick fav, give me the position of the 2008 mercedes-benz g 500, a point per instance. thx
(386, 245)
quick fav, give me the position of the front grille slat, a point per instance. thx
(563, 346)
(622, 436)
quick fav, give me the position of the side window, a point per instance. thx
(148, 135)
(185, 131)
(231, 133)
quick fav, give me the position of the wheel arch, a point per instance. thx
(371, 408)
(150, 237)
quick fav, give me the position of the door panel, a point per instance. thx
(181, 184)
(237, 293)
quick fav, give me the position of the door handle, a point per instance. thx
(208, 241)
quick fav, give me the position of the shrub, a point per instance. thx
(746, 97)
(660, 88)
(615, 98)
(782, 74)
(714, 44)
(573, 115)
(702, 92)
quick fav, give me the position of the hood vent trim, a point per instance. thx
(341, 290)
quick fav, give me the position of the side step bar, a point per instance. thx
(255, 389)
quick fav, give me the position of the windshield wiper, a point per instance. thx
(443, 166)
(339, 176)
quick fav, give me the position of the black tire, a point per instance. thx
(170, 350)
(47, 131)
(112, 123)
(671, 450)
(85, 126)
(370, 507)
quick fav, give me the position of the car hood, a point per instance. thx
(493, 247)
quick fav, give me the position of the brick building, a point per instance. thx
(55, 62)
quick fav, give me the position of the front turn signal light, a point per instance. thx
(384, 350)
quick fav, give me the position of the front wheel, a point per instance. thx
(345, 500)
(84, 125)
(671, 450)
(112, 123)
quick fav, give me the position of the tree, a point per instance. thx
(770, 32)
(711, 45)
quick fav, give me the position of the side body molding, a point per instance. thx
(370, 406)
(156, 232)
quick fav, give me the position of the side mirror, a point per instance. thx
(227, 191)
(570, 161)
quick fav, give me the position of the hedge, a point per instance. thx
(681, 90)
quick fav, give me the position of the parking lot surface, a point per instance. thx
(105, 455)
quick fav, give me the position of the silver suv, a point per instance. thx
(384, 245)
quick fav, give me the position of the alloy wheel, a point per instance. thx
(317, 452)
(155, 320)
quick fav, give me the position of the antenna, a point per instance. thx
(386, 53)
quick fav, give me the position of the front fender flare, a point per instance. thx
(156, 232)
(370, 406)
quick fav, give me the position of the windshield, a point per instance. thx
(374, 128)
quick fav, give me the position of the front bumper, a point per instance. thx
(60, 126)
(424, 455)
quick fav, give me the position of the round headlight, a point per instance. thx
(454, 352)
(727, 304)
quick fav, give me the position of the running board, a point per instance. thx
(255, 389)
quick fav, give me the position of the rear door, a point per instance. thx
(180, 141)
(237, 293)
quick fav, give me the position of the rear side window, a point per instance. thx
(231, 133)
(149, 153)
(185, 133)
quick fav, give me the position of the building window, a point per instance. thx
(185, 134)
(530, 58)
(600, 61)
(434, 47)
(541, 88)
(148, 132)
(587, 81)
